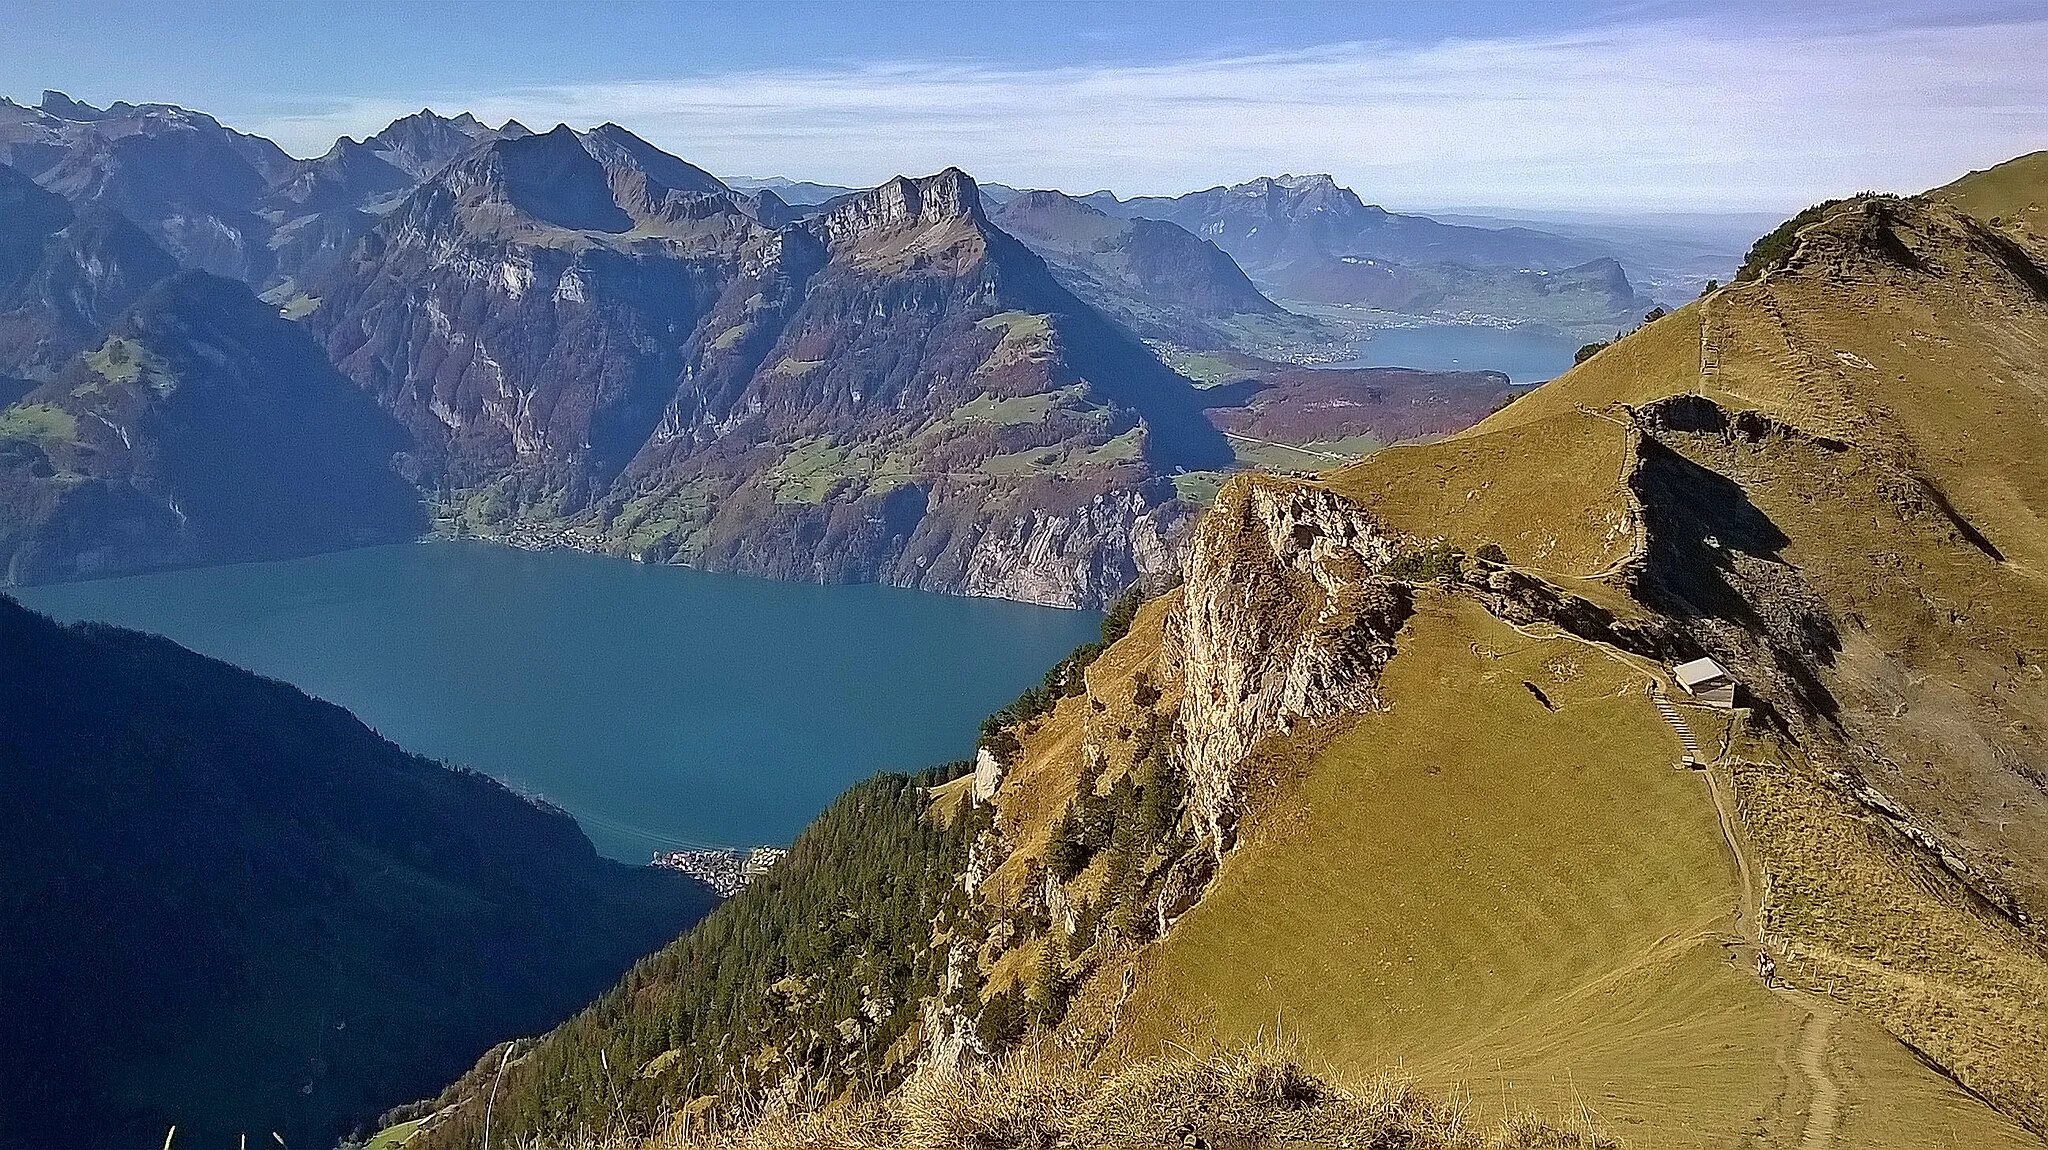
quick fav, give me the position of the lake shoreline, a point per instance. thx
(664, 707)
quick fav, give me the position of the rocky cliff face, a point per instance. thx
(1281, 618)
(893, 390)
(63, 277)
(1118, 539)
(593, 343)
(179, 175)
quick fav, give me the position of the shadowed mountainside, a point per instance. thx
(235, 908)
(201, 429)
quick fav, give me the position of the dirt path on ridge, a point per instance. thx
(1824, 1107)
(1824, 1095)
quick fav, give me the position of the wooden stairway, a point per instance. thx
(1669, 710)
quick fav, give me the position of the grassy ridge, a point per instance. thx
(1524, 900)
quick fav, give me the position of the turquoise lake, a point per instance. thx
(662, 707)
(1525, 354)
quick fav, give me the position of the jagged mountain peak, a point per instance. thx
(948, 194)
(1057, 217)
(904, 202)
(550, 177)
(343, 147)
(614, 146)
(1300, 195)
(64, 107)
(1049, 199)
(424, 142)
(63, 274)
(348, 176)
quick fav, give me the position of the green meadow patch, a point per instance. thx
(38, 421)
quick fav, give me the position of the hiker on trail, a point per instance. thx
(1765, 968)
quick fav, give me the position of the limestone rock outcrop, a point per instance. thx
(1281, 618)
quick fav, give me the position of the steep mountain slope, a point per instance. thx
(63, 277)
(188, 182)
(1391, 768)
(872, 865)
(201, 429)
(1153, 277)
(1304, 238)
(349, 175)
(234, 908)
(893, 389)
(618, 149)
(321, 206)
(1819, 480)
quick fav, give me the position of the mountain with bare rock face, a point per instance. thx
(587, 341)
(590, 337)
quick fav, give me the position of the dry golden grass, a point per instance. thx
(1256, 1094)
(2014, 190)
(1525, 900)
(1528, 903)
(1660, 359)
(1549, 492)
(1039, 786)
(1858, 915)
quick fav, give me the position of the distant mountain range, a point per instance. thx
(1308, 240)
(577, 338)
(1155, 278)
(797, 193)
(1315, 245)
(689, 373)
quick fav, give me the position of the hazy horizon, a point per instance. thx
(1593, 105)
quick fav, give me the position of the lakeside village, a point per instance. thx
(725, 870)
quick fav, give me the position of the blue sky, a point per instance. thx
(1602, 105)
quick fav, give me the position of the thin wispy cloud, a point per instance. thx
(1672, 113)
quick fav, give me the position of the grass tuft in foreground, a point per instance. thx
(1246, 1095)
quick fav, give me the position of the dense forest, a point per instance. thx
(812, 974)
(809, 983)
